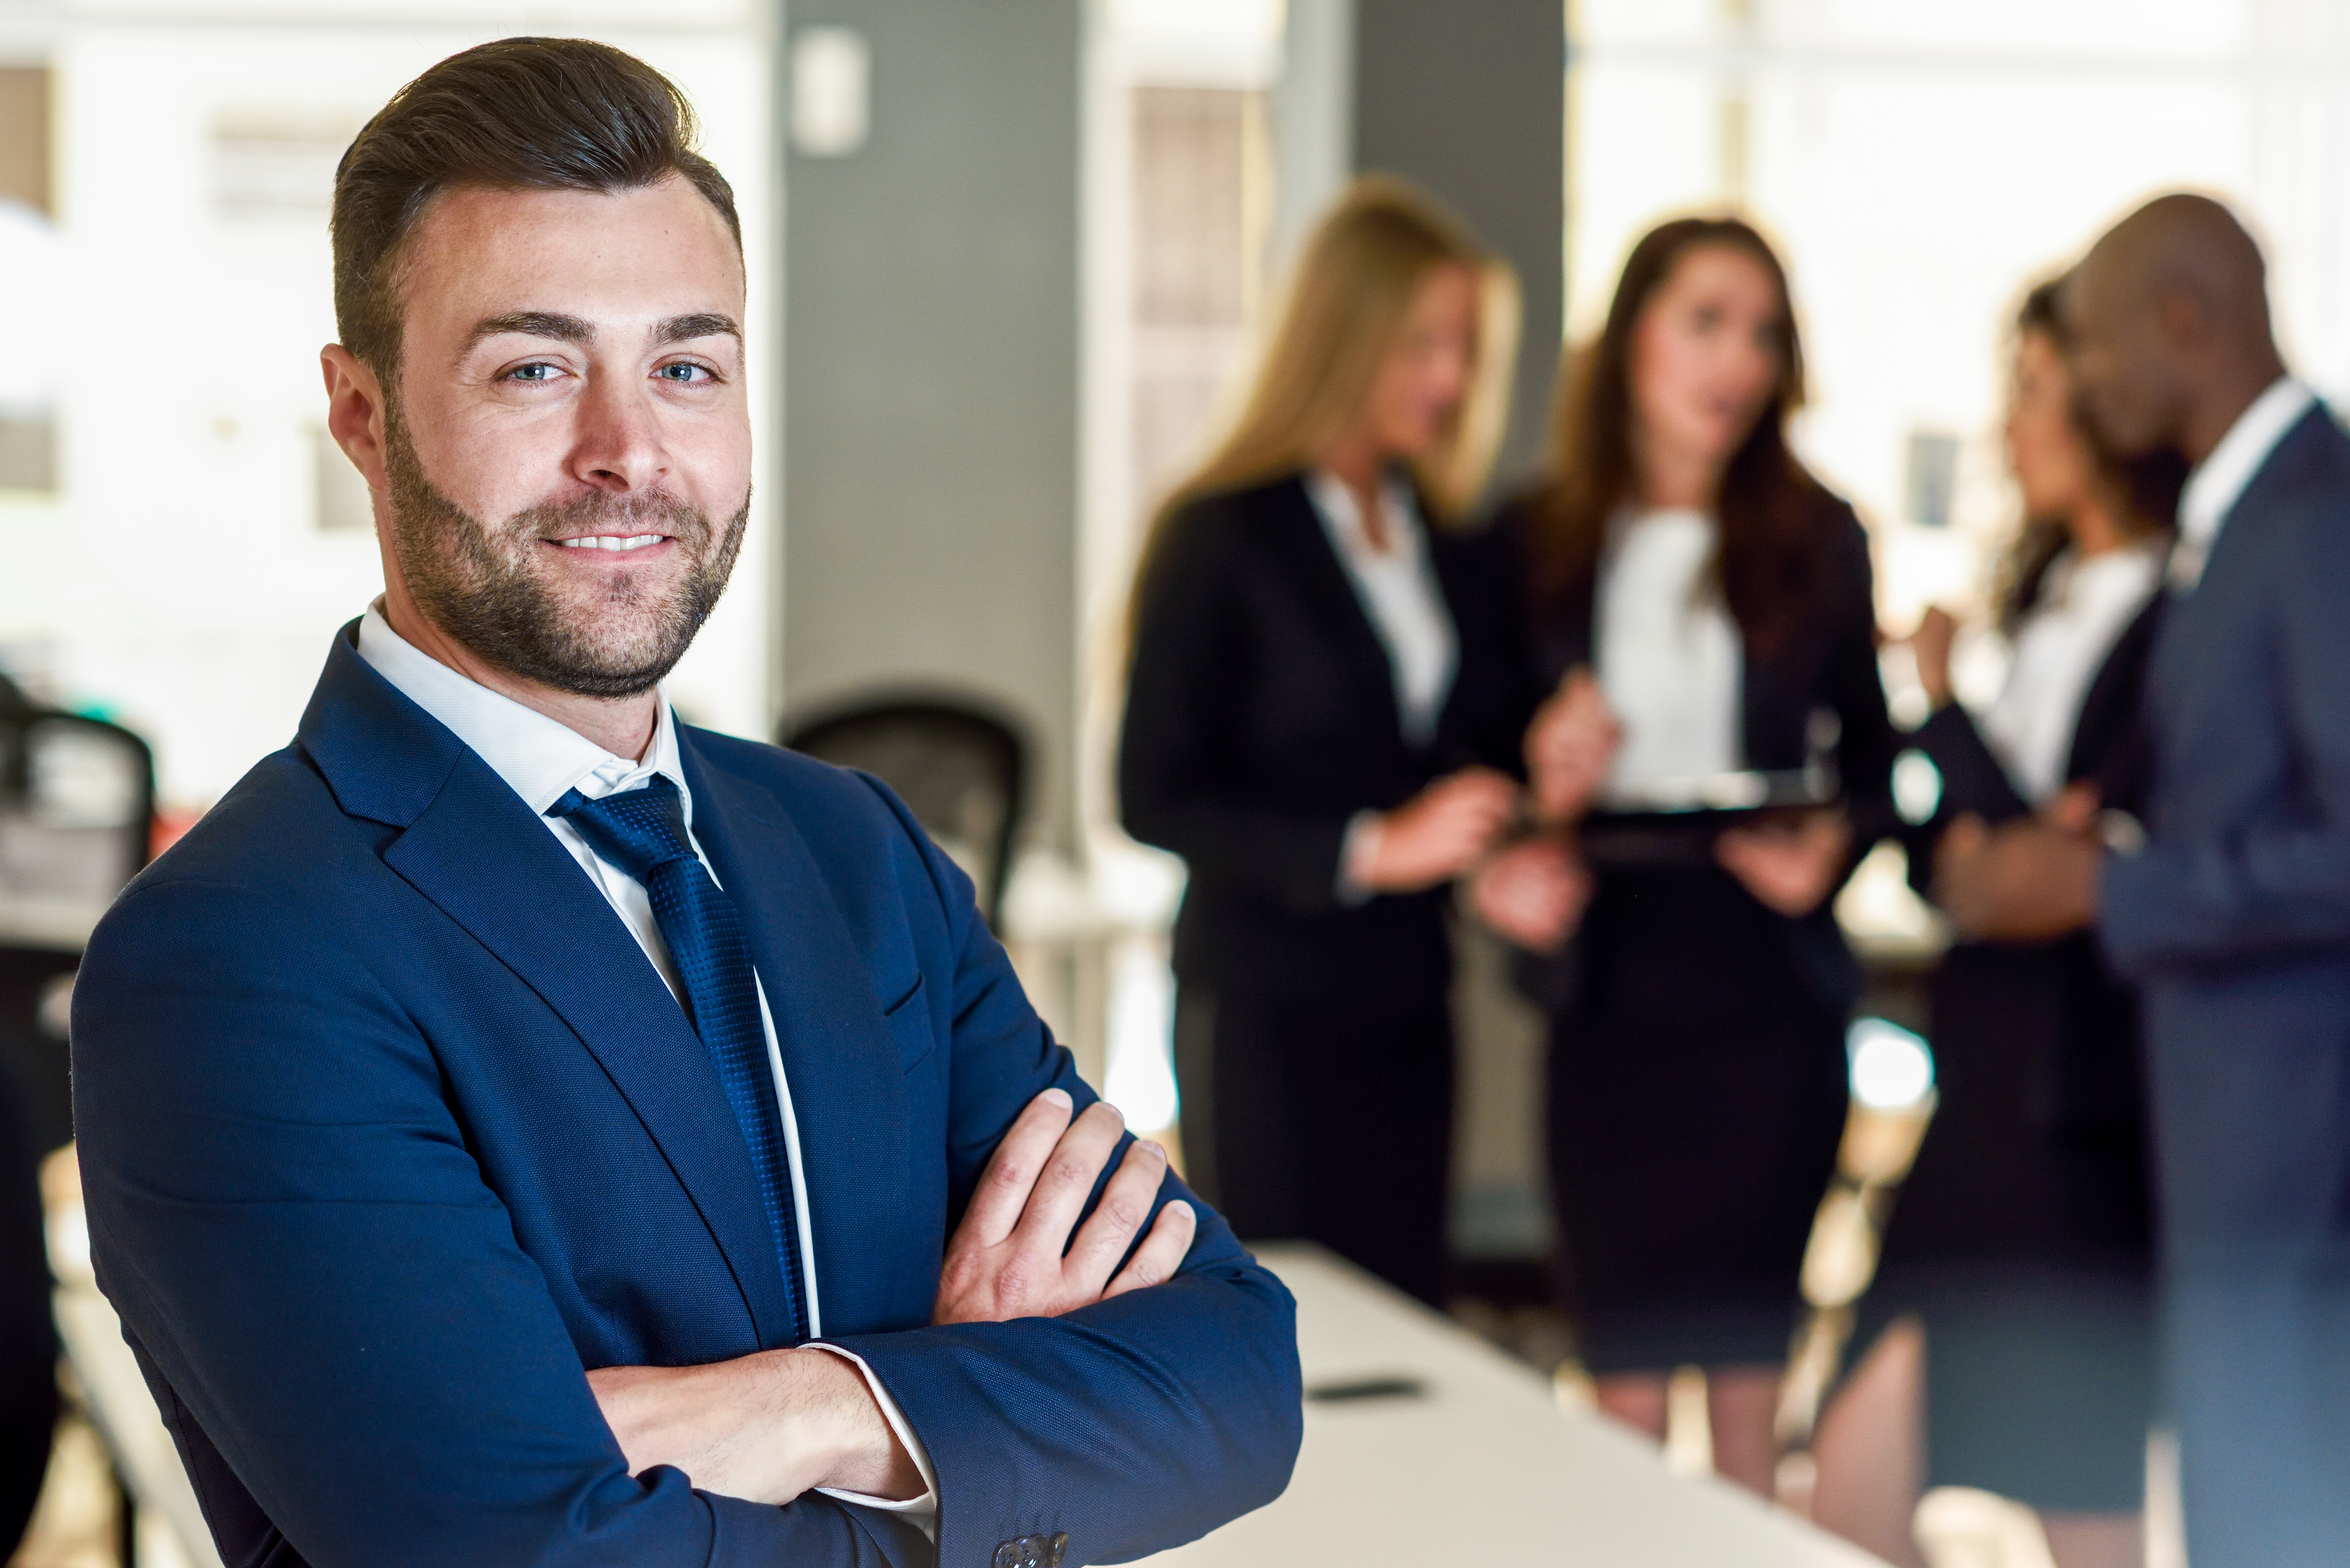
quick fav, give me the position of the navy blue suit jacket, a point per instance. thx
(389, 1133)
(2241, 896)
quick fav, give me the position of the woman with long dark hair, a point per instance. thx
(1320, 709)
(1701, 607)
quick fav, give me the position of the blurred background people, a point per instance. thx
(1320, 719)
(2234, 914)
(1701, 604)
(2022, 1236)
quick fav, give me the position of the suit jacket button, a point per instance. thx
(1007, 1554)
(1055, 1547)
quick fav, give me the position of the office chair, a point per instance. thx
(77, 801)
(960, 765)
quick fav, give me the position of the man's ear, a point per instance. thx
(355, 412)
(2184, 321)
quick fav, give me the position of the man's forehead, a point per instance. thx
(633, 259)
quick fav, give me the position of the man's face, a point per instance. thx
(2125, 377)
(567, 450)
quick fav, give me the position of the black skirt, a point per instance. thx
(1698, 1095)
(1327, 1121)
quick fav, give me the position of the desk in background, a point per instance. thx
(1485, 1468)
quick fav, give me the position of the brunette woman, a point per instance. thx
(1701, 605)
(1320, 705)
(2023, 1236)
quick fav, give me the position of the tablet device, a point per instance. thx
(1673, 822)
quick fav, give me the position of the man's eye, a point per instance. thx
(684, 372)
(532, 372)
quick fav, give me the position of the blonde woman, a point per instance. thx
(1320, 712)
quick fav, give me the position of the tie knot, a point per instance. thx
(635, 830)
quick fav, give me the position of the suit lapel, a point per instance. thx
(470, 846)
(849, 1096)
(476, 852)
(2209, 609)
(1302, 545)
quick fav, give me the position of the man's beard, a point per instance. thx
(478, 582)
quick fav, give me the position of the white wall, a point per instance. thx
(178, 579)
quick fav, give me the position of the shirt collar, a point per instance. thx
(2220, 480)
(1335, 500)
(538, 758)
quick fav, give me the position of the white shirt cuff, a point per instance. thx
(925, 1508)
(1358, 853)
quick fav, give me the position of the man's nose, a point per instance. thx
(617, 445)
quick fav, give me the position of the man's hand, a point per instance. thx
(1532, 893)
(1011, 1255)
(1789, 866)
(765, 1428)
(2025, 881)
(1570, 746)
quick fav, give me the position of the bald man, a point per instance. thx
(2234, 912)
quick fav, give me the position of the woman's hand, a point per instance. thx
(1534, 893)
(1791, 865)
(2024, 881)
(1440, 832)
(1930, 646)
(1570, 746)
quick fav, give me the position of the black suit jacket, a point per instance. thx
(2038, 1149)
(1260, 717)
(2110, 747)
(1828, 663)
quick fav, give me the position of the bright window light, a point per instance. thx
(1892, 1069)
(1140, 1077)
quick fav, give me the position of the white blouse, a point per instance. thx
(2085, 607)
(1671, 661)
(1399, 594)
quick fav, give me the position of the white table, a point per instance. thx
(1485, 1468)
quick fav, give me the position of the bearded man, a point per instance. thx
(517, 1128)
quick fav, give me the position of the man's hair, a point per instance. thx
(521, 114)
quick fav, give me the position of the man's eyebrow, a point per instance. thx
(534, 324)
(679, 328)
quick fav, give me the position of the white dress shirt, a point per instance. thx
(1671, 661)
(2085, 606)
(1399, 594)
(2218, 481)
(541, 759)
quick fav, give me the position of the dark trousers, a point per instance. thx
(1305, 1120)
(2252, 1080)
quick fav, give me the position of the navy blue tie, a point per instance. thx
(642, 832)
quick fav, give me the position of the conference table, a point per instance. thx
(1423, 1445)
(1429, 1446)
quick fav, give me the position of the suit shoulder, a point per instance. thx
(276, 831)
(1224, 520)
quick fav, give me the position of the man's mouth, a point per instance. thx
(610, 541)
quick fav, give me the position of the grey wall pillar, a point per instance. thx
(930, 390)
(1469, 99)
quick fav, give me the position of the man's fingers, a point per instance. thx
(1067, 1179)
(1155, 1261)
(1003, 1194)
(1106, 1233)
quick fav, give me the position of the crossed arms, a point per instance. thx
(319, 1258)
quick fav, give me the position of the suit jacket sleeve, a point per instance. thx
(2278, 884)
(288, 1217)
(1865, 740)
(1132, 1424)
(1175, 779)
